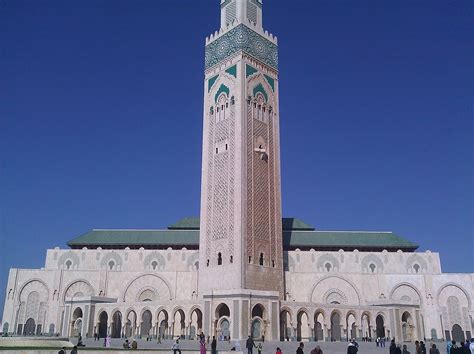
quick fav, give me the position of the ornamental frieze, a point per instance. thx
(241, 38)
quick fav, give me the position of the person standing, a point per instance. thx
(352, 348)
(434, 350)
(405, 349)
(471, 346)
(392, 347)
(300, 348)
(465, 348)
(62, 351)
(249, 345)
(202, 344)
(175, 347)
(278, 351)
(214, 345)
(454, 348)
(449, 345)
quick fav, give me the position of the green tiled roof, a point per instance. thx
(296, 234)
(346, 239)
(185, 224)
(137, 238)
(192, 223)
(295, 224)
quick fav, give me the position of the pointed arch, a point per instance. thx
(400, 287)
(153, 280)
(78, 286)
(459, 287)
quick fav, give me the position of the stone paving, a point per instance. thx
(268, 347)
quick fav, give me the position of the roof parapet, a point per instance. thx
(249, 24)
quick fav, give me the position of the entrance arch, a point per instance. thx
(224, 328)
(131, 324)
(162, 320)
(146, 324)
(117, 325)
(5, 328)
(335, 327)
(285, 325)
(351, 326)
(407, 327)
(257, 327)
(196, 323)
(319, 326)
(103, 318)
(380, 326)
(179, 324)
(76, 323)
(221, 327)
(365, 326)
(302, 327)
(30, 327)
(457, 333)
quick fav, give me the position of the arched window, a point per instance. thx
(328, 266)
(207, 263)
(372, 267)
(111, 265)
(219, 258)
(154, 265)
(273, 263)
(231, 259)
(68, 264)
(250, 259)
(260, 261)
(416, 267)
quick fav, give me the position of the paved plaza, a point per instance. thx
(269, 347)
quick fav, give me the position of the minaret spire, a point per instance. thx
(243, 11)
(241, 245)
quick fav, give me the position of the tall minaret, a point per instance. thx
(241, 257)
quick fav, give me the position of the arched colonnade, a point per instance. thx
(332, 324)
(148, 321)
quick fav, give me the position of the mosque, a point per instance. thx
(241, 268)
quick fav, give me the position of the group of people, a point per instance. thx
(420, 348)
(463, 348)
(127, 345)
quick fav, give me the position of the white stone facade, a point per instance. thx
(414, 302)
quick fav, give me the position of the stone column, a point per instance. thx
(418, 325)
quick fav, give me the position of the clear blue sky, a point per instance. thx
(101, 114)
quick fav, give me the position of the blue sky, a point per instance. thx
(101, 118)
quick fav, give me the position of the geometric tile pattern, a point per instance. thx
(241, 38)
